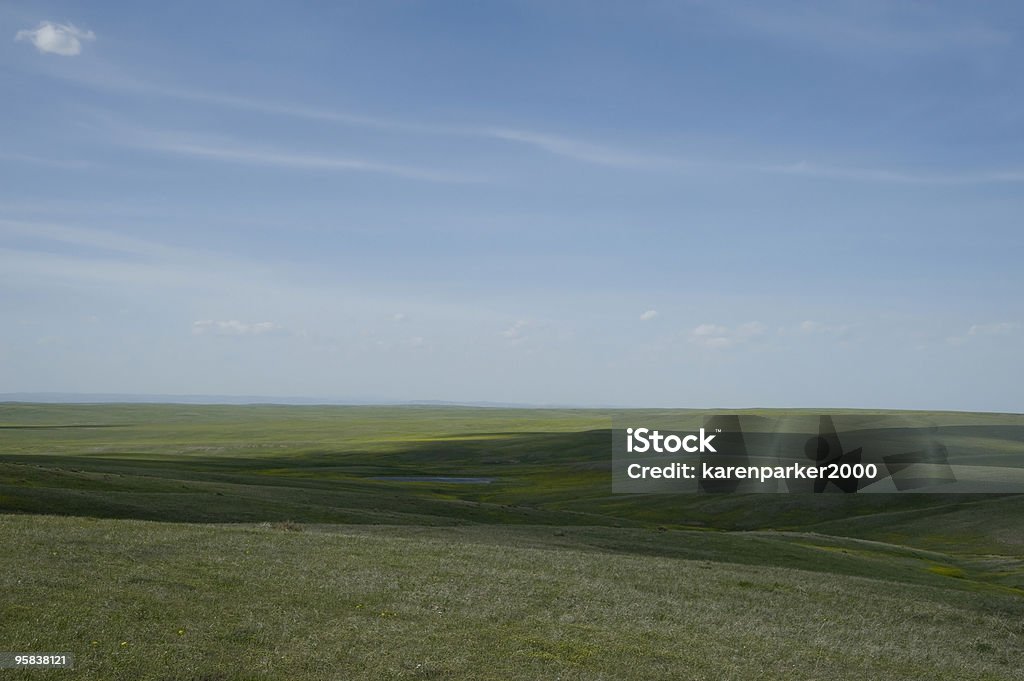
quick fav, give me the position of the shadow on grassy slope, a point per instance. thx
(549, 478)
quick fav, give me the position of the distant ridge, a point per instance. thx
(146, 398)
(134, 398)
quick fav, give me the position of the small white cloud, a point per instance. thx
(719, 337)
(50, 38)
(718, 342)
(712, 336)
(705, 330)
(996, 329)
(648, 315)
(976, 330)
(398, 317)
(516, 331)
(233, 327)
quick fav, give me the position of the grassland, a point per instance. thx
(217, 542)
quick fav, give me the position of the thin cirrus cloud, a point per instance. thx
(230, 152)
(995, 329)
(60, 39)
(30, 252)
(558, 145)
(883, 175)
(865, 27)
(608, 155)
(233, 327)
(604, 154)
(648, 315)
(66, 39)
(554, 144)
(584, 151)
(88, 238)
(588, 152)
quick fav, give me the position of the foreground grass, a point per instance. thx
(140, 600)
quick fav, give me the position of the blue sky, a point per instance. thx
(647, 204)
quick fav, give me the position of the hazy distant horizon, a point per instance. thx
(272, 400)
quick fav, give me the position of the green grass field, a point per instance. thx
(226, 542)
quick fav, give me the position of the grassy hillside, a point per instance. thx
(142, 600)
(291, 544)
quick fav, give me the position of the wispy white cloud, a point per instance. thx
(109, 257)
(247, 155)
(984, 330)
(860, 174)
(517, 332)
(621, 157)
(596, 153)
(707, 330)
(233, 327)
(994, 329)
(718, 337)
(61, 39)
(588, 152)
(702, 336)
(96, 239)
(605, 153)
(863, 27)
(45, 268)
(648, 315)
(108, 77)
(117, 261)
